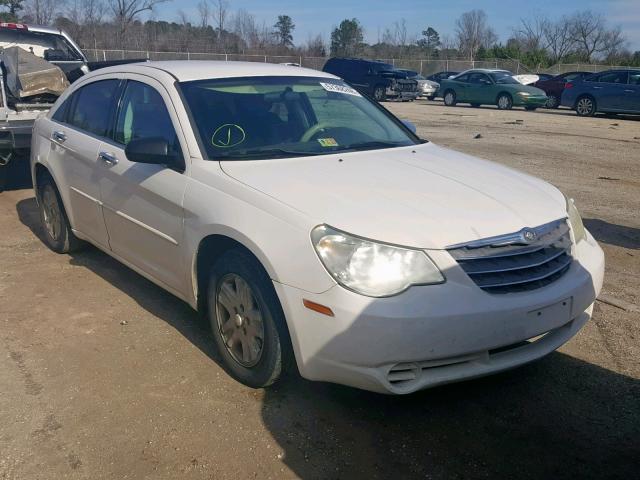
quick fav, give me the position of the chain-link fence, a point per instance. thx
(423, 66)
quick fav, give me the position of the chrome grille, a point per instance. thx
(520, 261)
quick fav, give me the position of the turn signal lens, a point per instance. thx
(316, 307)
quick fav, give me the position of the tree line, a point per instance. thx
(538, 41)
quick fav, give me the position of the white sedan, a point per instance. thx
(313, 227)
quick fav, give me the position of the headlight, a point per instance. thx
(371, 268)
(524, 94)
(575, 221)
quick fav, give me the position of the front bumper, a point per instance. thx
(392, 93)
(427, 92)
(432, 335)
(530, 101)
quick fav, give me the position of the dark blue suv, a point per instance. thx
(612, 91)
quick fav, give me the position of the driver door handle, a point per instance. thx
(108, 158)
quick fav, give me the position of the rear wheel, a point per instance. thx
(57, 230)
(586, 106)
(379, 93)
(450, 98)
(552, 102)
(246, 318)
(504, 101)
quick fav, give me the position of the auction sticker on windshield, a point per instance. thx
(333, 87)
(328, 142)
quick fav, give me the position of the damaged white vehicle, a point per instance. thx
(315, 229)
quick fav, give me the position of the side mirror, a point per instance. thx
(409, 125)
(153, 150)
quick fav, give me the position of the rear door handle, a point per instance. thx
(597, 88)
(630, 91)
(108, 158)
(58, 136)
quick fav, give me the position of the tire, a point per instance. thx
(432, 98)
(244, 309)
(552, 102)
(449, 98)
(530, 108)
(504, 101)
(475, 105)
(586, 106)
(380, 93)
(57, 230)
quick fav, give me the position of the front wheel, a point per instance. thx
(379, 93)
(530, 108)
(505, 102)
(246, 319)
(586, 107)
(450, 98)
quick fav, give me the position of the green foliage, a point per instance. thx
(13, 7)
(347, 39)
(430, 42)
(283, 30)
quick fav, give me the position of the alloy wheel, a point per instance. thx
(240, 320)
(584, 106)
(503, 102)
(449, 99)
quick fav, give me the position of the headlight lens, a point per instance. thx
(524, 94)
(371, 268)
(575, 221)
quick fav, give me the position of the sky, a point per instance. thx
(320, 17)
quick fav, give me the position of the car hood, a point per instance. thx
(524, 88)
(423, 196)
(527, 79)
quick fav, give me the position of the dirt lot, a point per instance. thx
(104, 375)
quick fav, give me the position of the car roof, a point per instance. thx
(188, 70)
(485, 70)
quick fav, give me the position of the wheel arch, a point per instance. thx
(210, 248)
(586, 95)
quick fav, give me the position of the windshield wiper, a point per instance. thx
(371, 145)
(270, 152)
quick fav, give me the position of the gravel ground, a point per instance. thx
(104, 375)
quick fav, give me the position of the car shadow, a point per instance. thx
(145, 293)
(560, 417)
(613, 234)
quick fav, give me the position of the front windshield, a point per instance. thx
(276, 117)
(503, 77)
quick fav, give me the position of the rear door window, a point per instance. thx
(614, 77)
(93, 107)
(634, 78)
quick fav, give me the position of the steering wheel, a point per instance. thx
(308, 135)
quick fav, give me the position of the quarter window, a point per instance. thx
(143, 114)
(92, 107)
